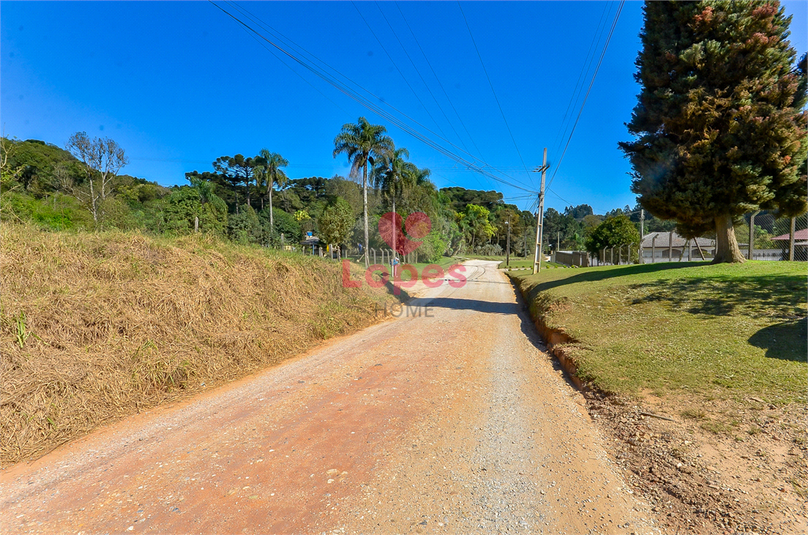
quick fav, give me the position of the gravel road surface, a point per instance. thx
(448, 419)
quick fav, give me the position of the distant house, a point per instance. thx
(800, 236)
(800, 244)
(658, 245)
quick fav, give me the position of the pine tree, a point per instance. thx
(719, 127)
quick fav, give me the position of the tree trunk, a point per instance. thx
(726, 246)
(365, 204)
(271, 216)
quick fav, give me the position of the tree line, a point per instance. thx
(250, 199)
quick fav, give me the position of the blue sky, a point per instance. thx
(179, 84)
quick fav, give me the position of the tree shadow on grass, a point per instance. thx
(599, 274)
(786, 341)
(774, 296)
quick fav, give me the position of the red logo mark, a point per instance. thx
(417, 226)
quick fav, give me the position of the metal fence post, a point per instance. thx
(653, 248)
(791, 238)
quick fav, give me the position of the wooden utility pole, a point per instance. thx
(540, 215)
(508, 246)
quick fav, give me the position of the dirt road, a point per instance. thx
(450, 421)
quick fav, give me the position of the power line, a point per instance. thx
(419, 74)
(333, 80)
(494, 92)
(589, 89)
(379, 111)
(397, 69)
(576, 92)
(471, 138)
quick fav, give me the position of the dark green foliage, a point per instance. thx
(579, 212)
(336, 222)
(613, 232)
(34, 163)
(245, 227)
(184, 205)
(460, 197)
(284, 224)
(719, 128)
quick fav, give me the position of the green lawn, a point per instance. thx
(708, 332)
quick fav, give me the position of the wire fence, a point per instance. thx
(760, 236)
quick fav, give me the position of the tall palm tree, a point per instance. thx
(388, 176)
(390, 173)
(271, 163)
(364, 143)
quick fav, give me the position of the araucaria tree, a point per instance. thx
(719, 127)
(364, 143)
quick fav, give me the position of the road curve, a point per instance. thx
(450, 418)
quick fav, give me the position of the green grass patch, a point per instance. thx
(706, 332)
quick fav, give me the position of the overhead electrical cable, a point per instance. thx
(426, 58)
(279, 58)
(364, 101)
(575, 94)
(332, 79)
(406, 81)
(479, 56)
(589, 89)
(418, 72)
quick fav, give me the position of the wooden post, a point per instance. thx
(670, 246)
(689, 250)
(196, 223)
(699, 248)
(791, 238)
(642, 236)
(752, 235)
(653, 248)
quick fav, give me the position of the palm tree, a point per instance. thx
(388, 176)
(271, 163)
(364, 143)
(391, 172)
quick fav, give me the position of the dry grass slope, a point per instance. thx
(97, 327)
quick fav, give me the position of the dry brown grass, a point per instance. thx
(94, 327)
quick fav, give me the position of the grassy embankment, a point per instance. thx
(94, 327)
(699, 333)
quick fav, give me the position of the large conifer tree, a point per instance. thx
(719, 127)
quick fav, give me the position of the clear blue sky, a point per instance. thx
(178, 84)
